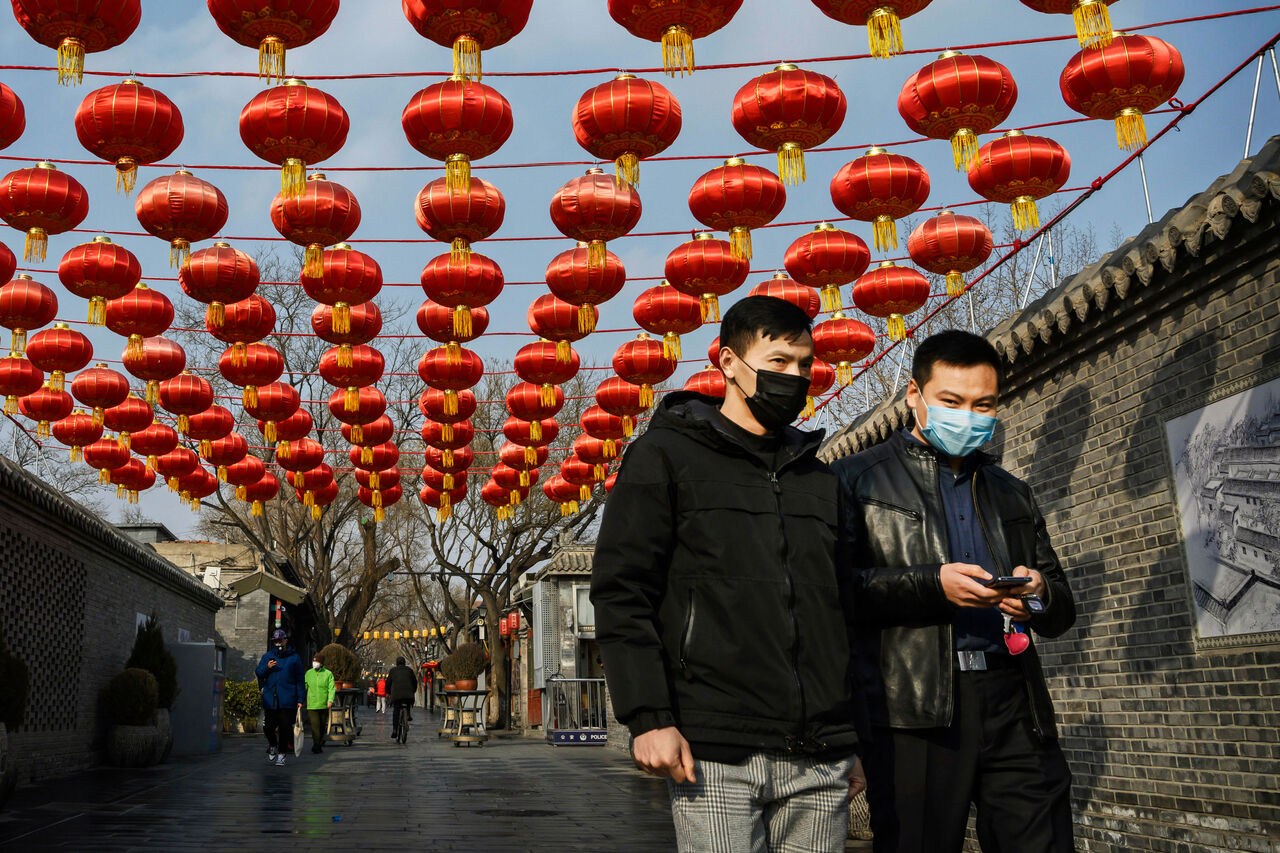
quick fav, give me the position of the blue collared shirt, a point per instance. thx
(975, 630)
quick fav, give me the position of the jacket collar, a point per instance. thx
(691, 414)
(904, 442)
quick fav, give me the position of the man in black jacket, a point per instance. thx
(957, 699)
(402, 686)
(721, 614)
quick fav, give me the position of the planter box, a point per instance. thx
(134, 746)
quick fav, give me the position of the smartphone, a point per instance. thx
(1006, 582)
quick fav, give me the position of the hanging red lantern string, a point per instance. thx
(153, 441)
(1131, 76)
(644, 362)
(530, 435)
(1092, 18)
(293, 428)
(210, 425)
(842, 341)
(157, 360)
(76, 431)
(181, 209)
(130, 416)
(273, 403)
(539, 364)
(99, 271)
(74, 29)
(626, 120)
(245, 322)
(460, 217)
(458, 436)
(821, 378)
(579, 473)
(41, 200)
(780, 287)
(366, 368)
(436, 322)
(370, 405)
(57, 352)
(889, 292)
(131, 478)
(364, 323)
(525, 402)
(950, 245)
(440, 371)
(346, 277)
(457, 121)
(594, 209)
(302, 454)
(244, 473)
(451, 472)
(367, 436)
(665, 311)
(173, 465)
(105, 454)
(499, 497)
(706, 269)
(788, 110)
(217, 276)
(442, 502)
(1018, 169)
(293, 125)
(25, 305)
(592, 451)
(674, 25)
(468, 26)
(196, 486)
(260, 364)
(265, 489)
(323, 214)
(737, 197)
(272, 26)
(226, 451)
(957, 97)
(466, 285)
(557, 320)
(619, 397)
(143, 313)
(572, 278)
(880, 188)
(514, 457)
(13, 117)
(433, 402)
(882, 18)
(561, 491)
(517, 483)
(827, 258)
(184, 395)
(128, 124)
(598, 423)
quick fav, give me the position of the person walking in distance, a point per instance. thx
(280, 674)
(320, 698)
(382, 694)
(955, 571)
(722, 612)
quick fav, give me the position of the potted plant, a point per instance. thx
(242, 706)
(343, 663)
(149, 653)
(13, 706)
(130, 703)
(463, 667)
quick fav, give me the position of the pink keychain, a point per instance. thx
(1015, 637)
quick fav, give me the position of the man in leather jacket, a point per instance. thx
(958, 703)
(722, 615)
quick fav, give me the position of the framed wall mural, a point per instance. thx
(1226, 468)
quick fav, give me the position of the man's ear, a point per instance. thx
(727, 360)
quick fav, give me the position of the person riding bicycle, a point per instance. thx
(402, 686)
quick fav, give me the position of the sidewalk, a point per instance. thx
(510, 795)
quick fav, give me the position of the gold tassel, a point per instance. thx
(600, 472)
(646, 395)
(515, 500)
(76, 455)
(446, 458)
(282, 450)
(740, 242)
(457, 174)
(627, 169)
(375, 481)
(530, 456)
(451, 402)
(1093, 23)
(271, 434)
(151, 463)
(256, 508)
(42, 429)
(610, 449)
(152, 391)
(466, 58)
(351, 399)
(808, 408)
(313, 261)
(122, 441)
(377, 499)
(586, 319)
(366, 453)
(677, 51)
(884, 31)
(564, 510)
(831, 300)
(844, 373)
(628, 425)
(886, 231)
(524, 479)
(18, 342)
(597, 253)
(955, 283)
(250, 396)
(293, 177)
(206, 447)
(37, 245)
(379, 514)
(1025, 214)
(126, 175)
(791, 163)
(443, 514)
(179, 252)
(462, 321)
(222, 473)
(345, 355)
(964, 149)
(1131, 129)
(448, 482)
(97, 311)
(897, 328)
(133, 349)
(452, 353)
(242, 492)
(710, 305)
(340, 320)
(271, 59)
(584, 493)
(308, 498)
(173, 484)
(184, 425)
(133, 496)
(104, 476)
(564, 352)
(671, 347)
(547, 395)
(119, 491)
(459, 252)
(446, 434)
(70, 62)
(315, 513)
(98, 413)
(535, 430)
(504, 512)
(238, 353)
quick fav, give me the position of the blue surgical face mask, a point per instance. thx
(957, 432)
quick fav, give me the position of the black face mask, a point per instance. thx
(779, 397)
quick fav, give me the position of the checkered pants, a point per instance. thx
(772, 803)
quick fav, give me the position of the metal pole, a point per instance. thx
(1051, 263)
(1146, 193)
(897, 375)
(1253, 107)
(1035, 265)
(973, 323)
(1276, 68)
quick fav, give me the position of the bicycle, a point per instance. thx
(401, 733)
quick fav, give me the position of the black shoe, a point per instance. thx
(315, 750)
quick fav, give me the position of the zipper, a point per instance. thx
(686, 637)
(930, 462)
(902, 509)
(802, 723)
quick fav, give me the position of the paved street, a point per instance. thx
(509, 795)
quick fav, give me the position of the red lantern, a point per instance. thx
(880, 188)
(594, 209)
(246, 472)
(177, 463)
(665, 311)
(890, 291)
(99, 271)
(445, 373)
(293, 125)
(457, 121)
(41, 201)
(581, 474)
(76, 431)
(592, 451)
(260, 364)
(210, 425)
(8, 263)
(245, 322)
(709, 382)
(291, 429)
(573, 278)
(788, 110)
(272, 26)
(1018, 169)
(143, 313)
(557, 320)
(626, 120)
(275, 402)
(13, 117)
(561, 491)
(448, 437)
(882, 18)
(25, 305)
(737, 197)
(376, 479)
(459, 461)
(780, 287)
(821, 378)
(470, 283)
(105, 454)
(460, 217)
(131, 478)
(183, 395)
(467, 26)
(181, 209)
(644, 362)
(674, 24)
(347, 277)
(226, 451)
(842, 341)
(950, 245)
(530, 434)
(370, 405)
(517, 483)
(1130, 76)
(99, 388)
(378, 457)
(828, 258)
(218, 276)
(442, 502)
(75, 28)
(598, 423)
(153, 441)
(364, 324)
(436, 322)
(523, 459)
(367, 365)
(44, 406)
(323, 214)
(539, 364)
(128, 124)
(59, 351)
(260, 492)
(379, 500)
(504, 627)
(713, 352)
(499, 497)
(433, 402)
(526, 402)
(196, 486)
(706, 269)
(957, 97)
(513, 618)
(619, 397)
(303, 454)
(366, 436)
(132, 415)
(1092, 18)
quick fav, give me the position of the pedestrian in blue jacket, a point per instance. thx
(283, 692)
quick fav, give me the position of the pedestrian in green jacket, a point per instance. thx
(320, 696)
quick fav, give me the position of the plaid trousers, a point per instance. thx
(772, 803)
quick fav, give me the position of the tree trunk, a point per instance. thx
(497, 658)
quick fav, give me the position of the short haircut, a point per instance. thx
(955, 347)
(399, 661)
(767, 316)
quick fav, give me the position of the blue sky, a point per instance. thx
(372, 36)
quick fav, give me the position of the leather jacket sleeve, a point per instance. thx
(1059, 605)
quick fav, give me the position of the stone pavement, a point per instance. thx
(510, 795)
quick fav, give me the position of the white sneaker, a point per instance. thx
(279, 760)
(271, 755)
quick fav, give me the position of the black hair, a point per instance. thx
(955, 347)
(399, 661)
(754, 316)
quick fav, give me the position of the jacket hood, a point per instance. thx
(691, 414)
